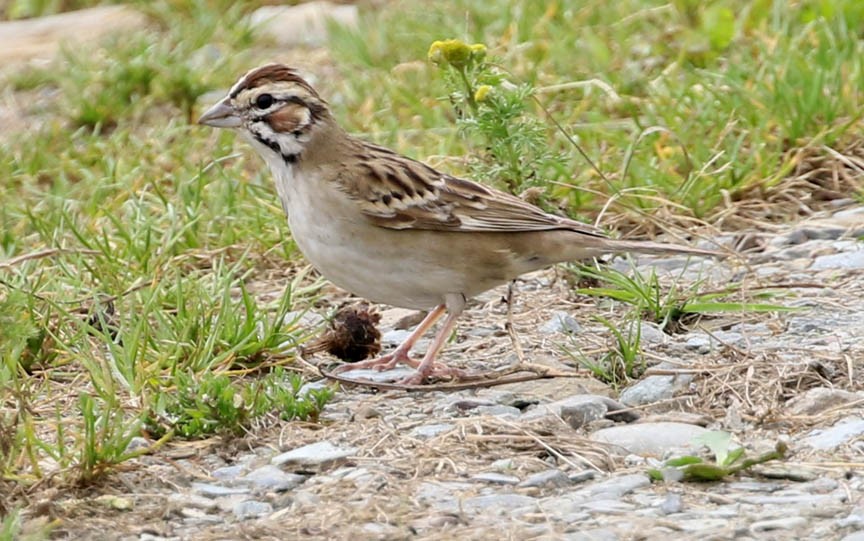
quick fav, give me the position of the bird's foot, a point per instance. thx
(384, 362)
(432, 371)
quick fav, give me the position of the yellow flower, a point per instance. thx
(481, 92)
(455, 52)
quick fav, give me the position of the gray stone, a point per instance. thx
(426, 432)
(653, 439)
(699, 343)
(494, 502)
(671, 504)
(579, 415)
(497, 410)
(214, 491)
(380, 376)
(313, 386)
(582, 476)
(137, 444)
(841, 432)
(843, 260)
(273, 478)
(655, 388)
(554, 409)
(785, 523)
(304, 24)
(596, 534)
(554, 478)
(855, 519)
(651, 334)
(608, 507)
(614, 487)
(560, 322)
(251, 509)
(314, 454)
(193, 500)
(228, 473)
(495, 478)
(816, 400)
(854, 536)
(811, 500)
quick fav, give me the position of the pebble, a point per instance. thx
(426, 432)
(495, 478)
(654, 439)
(787, 523)
(251, 509)
(671, 504)
(653, 389)
(560, 322)
(213, 491)
(273, 478)
(503, 503)
(841, 432)
(314, 454)
(816, 400)
(548, 478)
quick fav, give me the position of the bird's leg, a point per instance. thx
(400, 354)
(455, 303)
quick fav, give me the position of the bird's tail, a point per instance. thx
(657, 248)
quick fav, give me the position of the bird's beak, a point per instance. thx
(221, 115)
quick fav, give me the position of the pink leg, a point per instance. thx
(455, 304)
(400, 354)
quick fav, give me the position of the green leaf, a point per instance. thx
(704, 472)
(718, 22)
(683, 461)
(718, 442)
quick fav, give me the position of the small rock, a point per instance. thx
(251, 509)
(555, 409)
(426, 432)
(698, 343)
(653, 439)
(854, 536)
(193, 500)
(671, 504)
(228, 473)
(614, 487)
(651, 334)
(548, 478)
(503, 502)
(215, 491)
(816, 400)
(312, 386)
(560, 322)
(579, 415)
(314, 454)
(273, 478)
(609, 507)
(304, 24)
(785, 523)
(843, 260)
(495, 478)
(137, 444)
(582, 476)
(655, 388)
(503, 464)
(498, 410)
(595, 534)
(367, 412)
(834, 436)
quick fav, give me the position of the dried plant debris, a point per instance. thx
(353, 334)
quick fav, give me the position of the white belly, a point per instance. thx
(354, 255)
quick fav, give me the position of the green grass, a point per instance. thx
(147, 257)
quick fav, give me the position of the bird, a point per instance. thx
(392, 229)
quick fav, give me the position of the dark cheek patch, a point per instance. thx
(288, 119)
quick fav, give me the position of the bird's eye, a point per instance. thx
(264, 101)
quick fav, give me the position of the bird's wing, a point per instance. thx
(396, 192)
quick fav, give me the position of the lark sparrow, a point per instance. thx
(392, 229)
